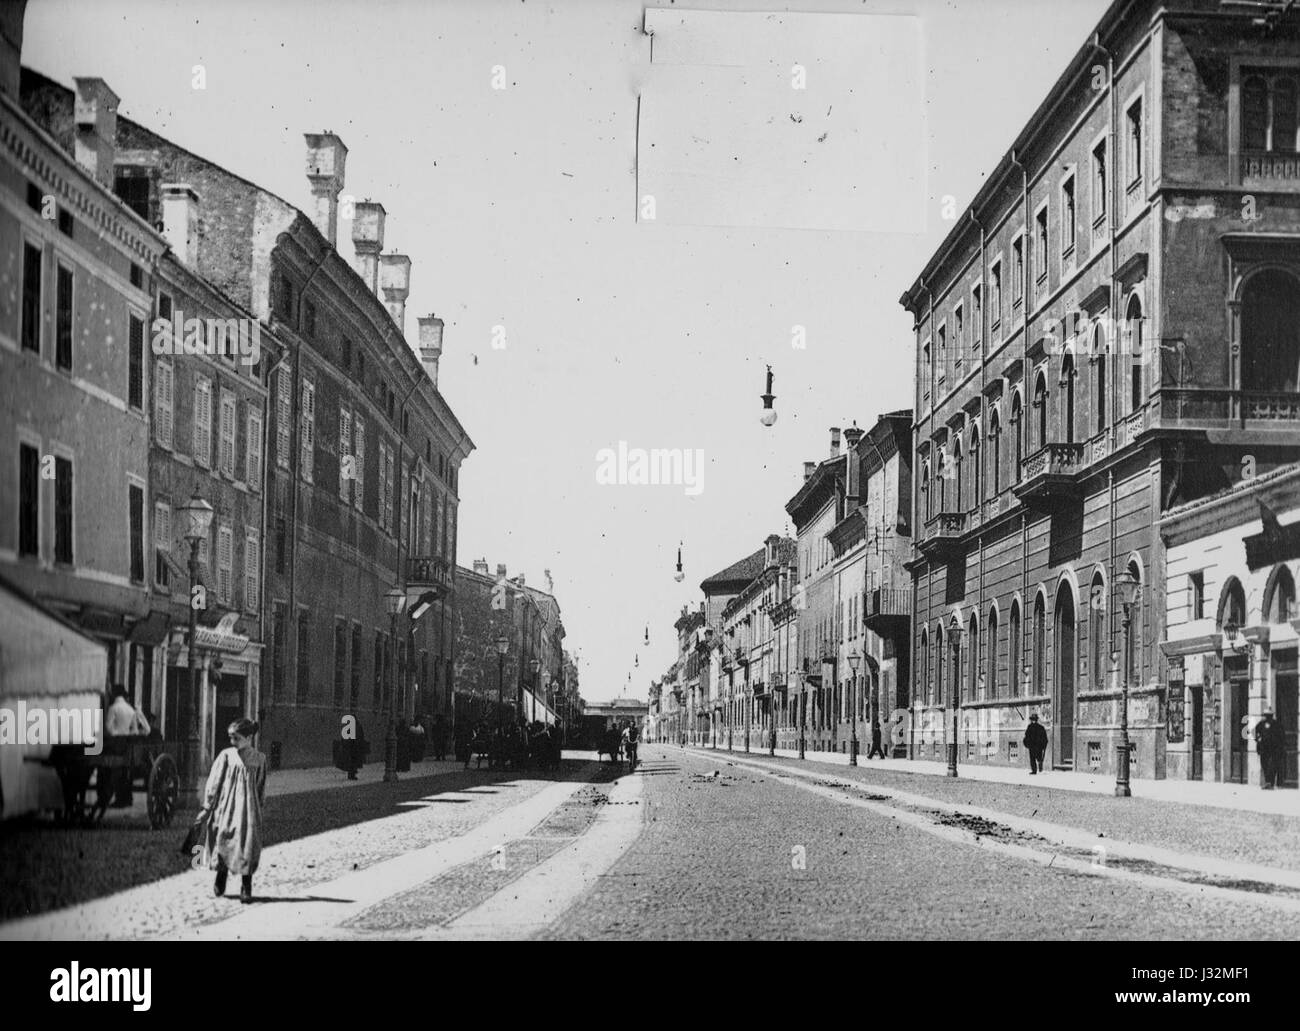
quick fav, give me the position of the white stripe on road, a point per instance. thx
(534, 901)
(346, 897)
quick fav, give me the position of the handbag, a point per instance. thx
(194, 834)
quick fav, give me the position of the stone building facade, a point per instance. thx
(1108, 332)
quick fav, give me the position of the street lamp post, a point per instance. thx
(196, 520)
(1129, 590)
(394, 599)
(803, 709)
(503, 646)
(854, 660)
(954, 635)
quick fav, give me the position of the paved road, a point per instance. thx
(705, 845)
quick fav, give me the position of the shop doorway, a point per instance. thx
(1063, 702)
(1198, 732)
(1288, 714)
(1238, 729)
(230, 691)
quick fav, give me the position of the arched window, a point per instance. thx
(1279, 603)
(1268, 113)
(1018, 430)
(973, 659)
(1013, 649)
(1099, 349)
(1040, 403)
(924, 692)
(1097, 641)
(991, 656)
(1040, 647)
(995, 453)
(1232, 604)
(1270, 332)
(1134, 329)
(941, 476)
(975, 495)
(1067, 380)
(956, 474)
(925, 486)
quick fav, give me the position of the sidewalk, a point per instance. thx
(1241, 797)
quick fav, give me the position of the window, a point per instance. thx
(163, 402)
(340, 661)
(1136, 347)
(1017, 270)
(162, 542)
(973, 659)
(1040, 647)
(226, 455)
(1270, 343)
(1040, 245)
(1040, 403)
(309, 319)
(304, 657)
(66, 223)
(63, 318)
(63, 516)
(253, 449)
(943, 350)
(345, 450)
(1018, 431)
(1268, 111)
(31, 331)
(307, 430)
(1099, 185)
(133, 191)
(35, 199)
(386, 485)
(1068, 215)
(995, 453)
(1279, 605)
(1013, 650)
(281, 534)
(1097, 642)
(359, 454)
(283, 419)
(347, 353)
(976, 314)
(135, 378)
(1133, 138)
(1099, 349)
(225, 563)
(956, 475)
(995, 297)
(285, 298)
(202, 421)
(135, 499)
(1196, 594)
(252, 571)
(1068, 376)
(974, 465)
(925, 667)
(958, 329)
(355, 695)
(361, 369)
(991, 652)
(280, 620)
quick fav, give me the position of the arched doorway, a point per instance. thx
(1063, 687)
(1270, 332)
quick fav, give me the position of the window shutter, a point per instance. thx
(253, 450)
(358, 491)
(282, 419)
(227, 457)
(225, 563)
(203, 422)
(163, 403)
(252, 571)
(345, 449)
(308, 430)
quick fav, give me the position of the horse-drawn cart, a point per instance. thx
(137, 761)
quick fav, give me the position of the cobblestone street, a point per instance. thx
(697, 844)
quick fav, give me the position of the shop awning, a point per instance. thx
(42, 655)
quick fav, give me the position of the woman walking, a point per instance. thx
(233, 804)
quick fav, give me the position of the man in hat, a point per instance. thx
(1036, 743)
(1269, 745)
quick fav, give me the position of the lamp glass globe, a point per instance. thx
(768, 417)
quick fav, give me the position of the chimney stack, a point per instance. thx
(11, 46)
(430, 344)
(501, 570)
(180, 208)
(368, 239)
(96, 118)
(808, 469)
(520, 580)
(395, 282)
(326, 160)
(835, 442)
(481, 566)
(853, 478)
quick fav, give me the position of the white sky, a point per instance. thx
(616, 328)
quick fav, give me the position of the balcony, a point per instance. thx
(1199, 408)
(1278, 169)
(1050, 477)
(887, 611)
(429, 573)
(943, 535)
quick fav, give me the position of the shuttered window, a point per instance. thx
(225, 562)
(345, 451)
(227, 454)
(359, 453)
(283, 419)
(252, 571)
(163, 402)
(253, 450)
(307, 432)
(203, 422)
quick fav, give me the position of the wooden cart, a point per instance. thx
(149, 765)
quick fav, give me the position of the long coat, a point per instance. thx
(233, 800)
(1036, 737)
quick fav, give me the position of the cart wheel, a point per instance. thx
(163, 789)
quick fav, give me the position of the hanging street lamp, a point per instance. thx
(769, 413)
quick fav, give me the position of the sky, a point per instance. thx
(618, 245)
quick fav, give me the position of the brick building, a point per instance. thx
(363, 452)
(1108, 331)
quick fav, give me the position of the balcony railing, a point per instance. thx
(887, 610)
(1225, 408)
(943, 534)
(1050, 476)
(1272, 167)
(430, 572)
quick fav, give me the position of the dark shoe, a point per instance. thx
(219, 885)
(246, 890)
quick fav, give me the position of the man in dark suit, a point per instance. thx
(1036, 742)
(1269, 744)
